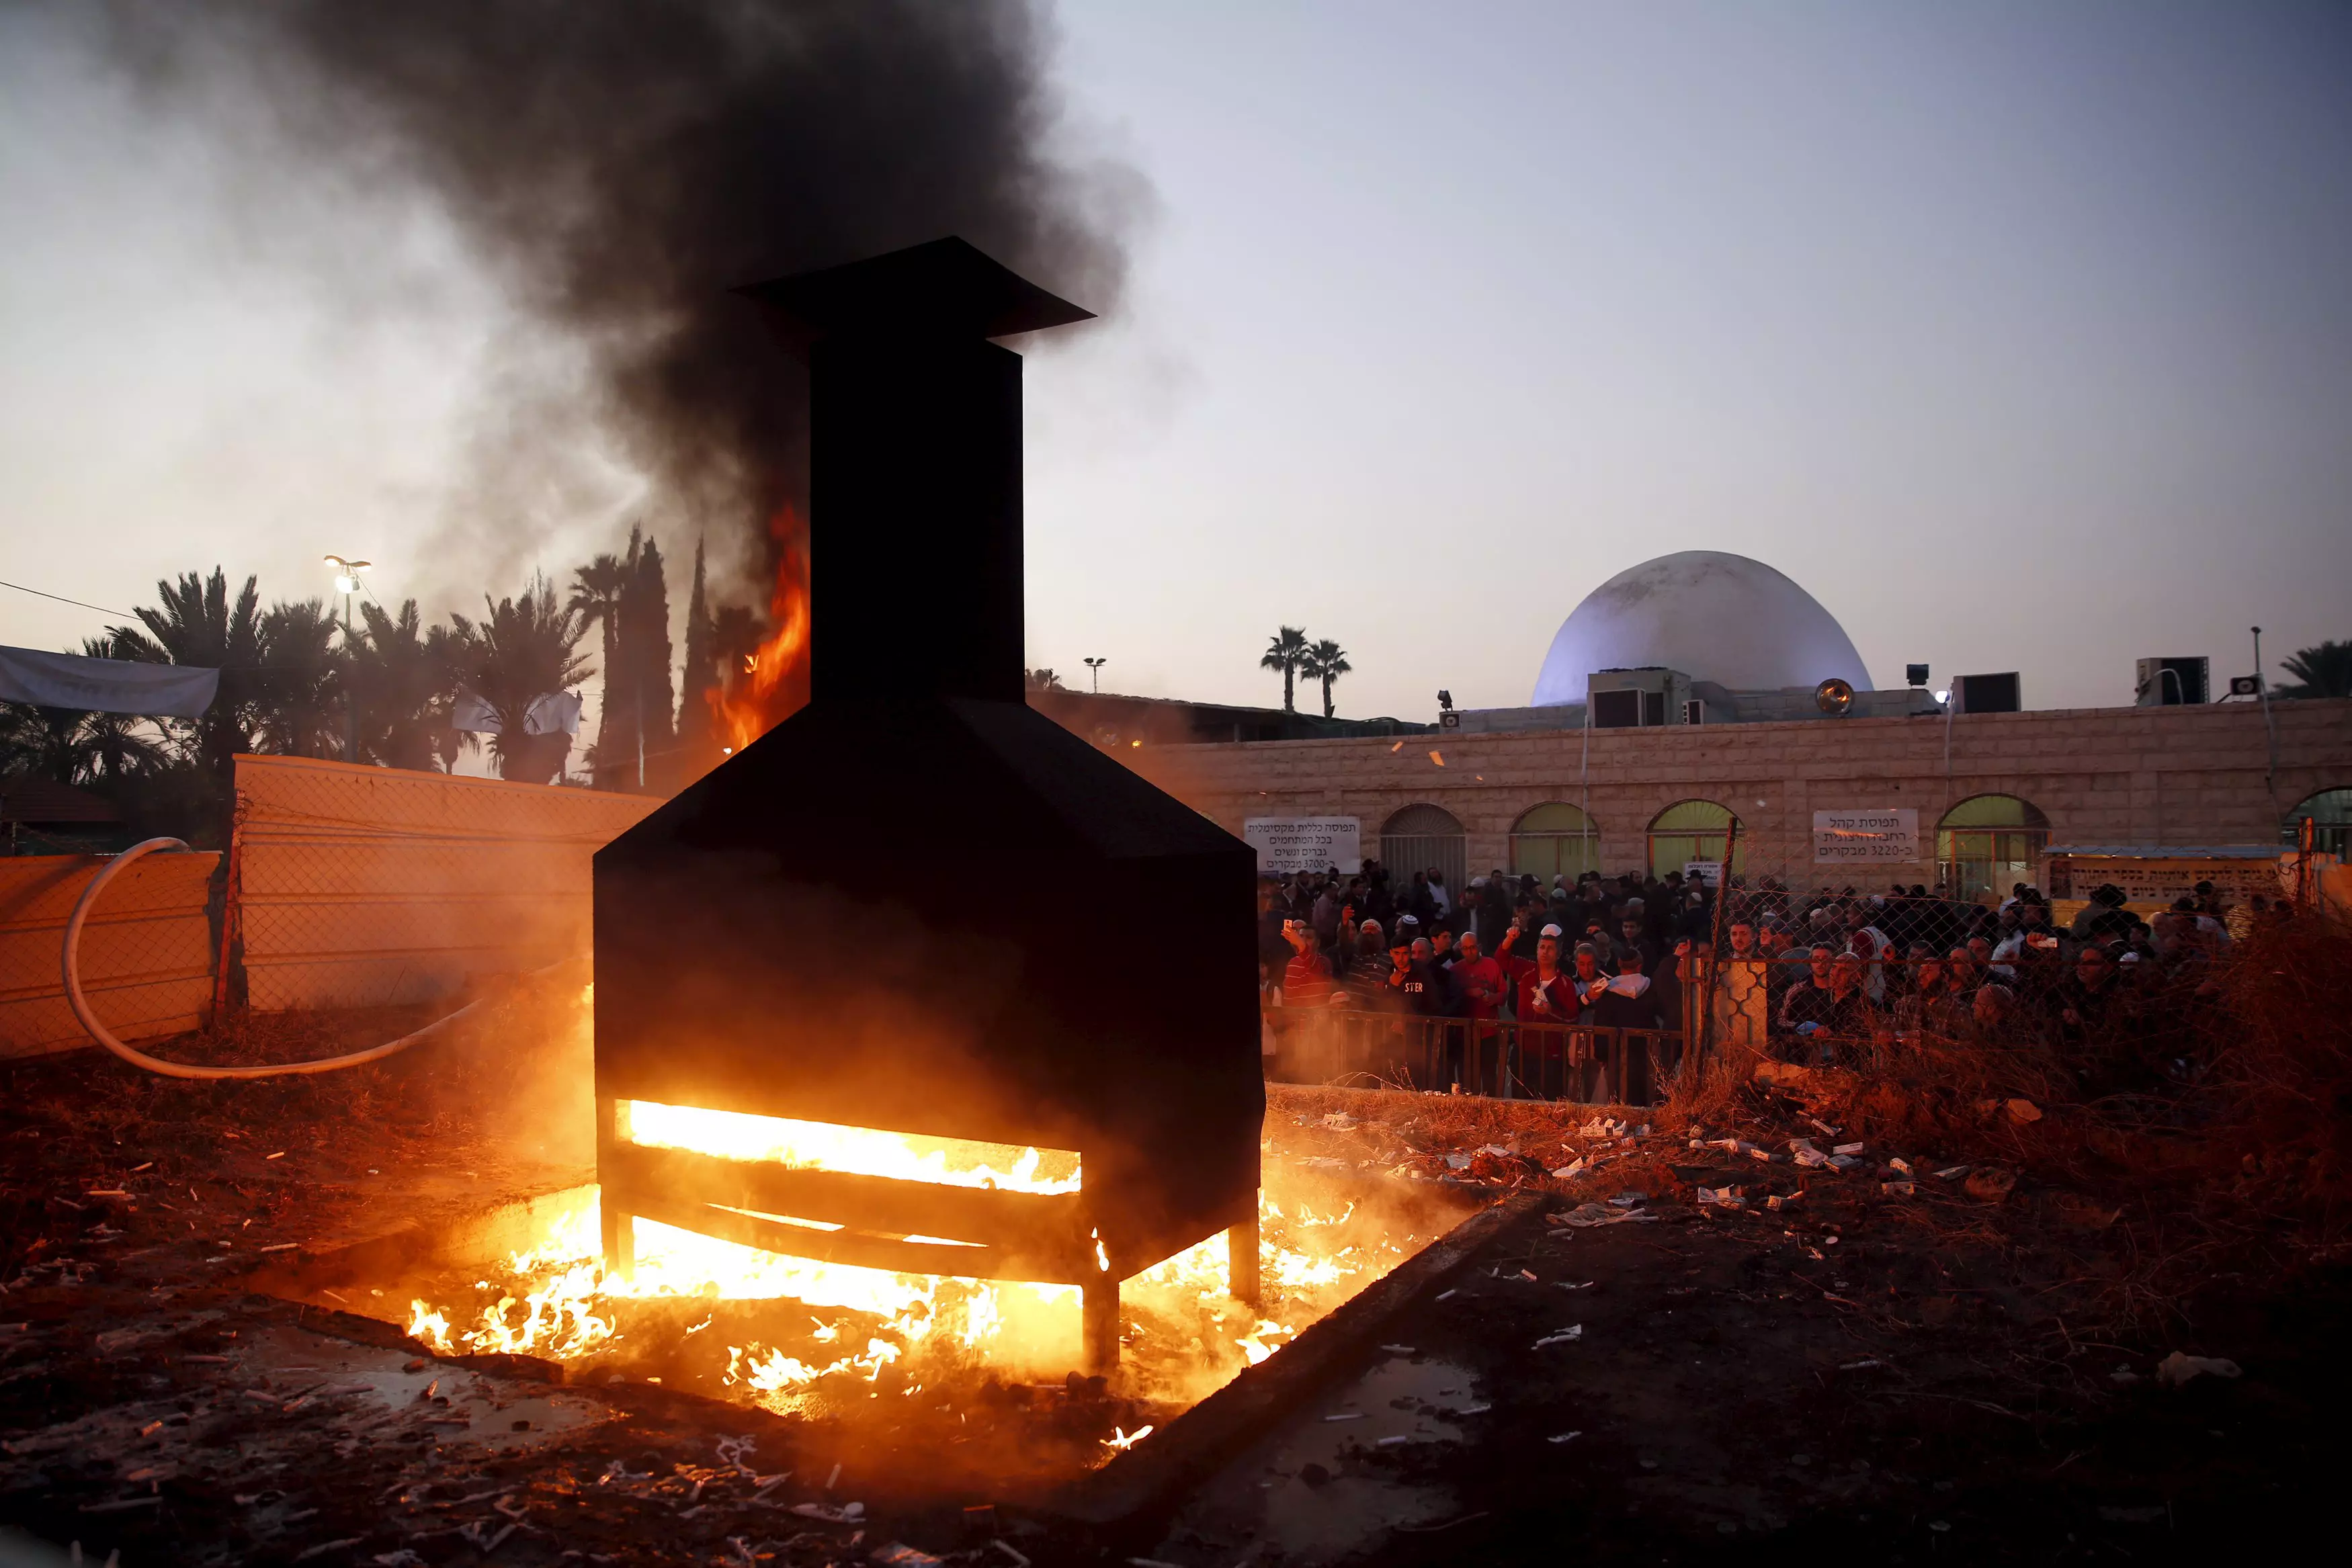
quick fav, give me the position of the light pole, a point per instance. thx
(1094, 671)
(347, 582)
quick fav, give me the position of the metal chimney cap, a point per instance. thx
(946, 287)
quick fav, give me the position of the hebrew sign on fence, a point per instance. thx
(1866, 836)
(369, 885)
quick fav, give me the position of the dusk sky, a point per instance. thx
(2019, 335)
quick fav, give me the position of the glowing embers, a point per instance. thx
(850, 1151)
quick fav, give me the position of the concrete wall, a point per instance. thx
(2104, 776)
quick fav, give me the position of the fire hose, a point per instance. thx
(69, 963)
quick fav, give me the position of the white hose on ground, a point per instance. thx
(69, 963)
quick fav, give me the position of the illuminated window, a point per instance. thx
(2330, 812)
(1555, 840)
(1988, 843)
(1691, 830)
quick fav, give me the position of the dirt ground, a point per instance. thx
(1945, 1373)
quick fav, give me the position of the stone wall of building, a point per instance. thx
(2172, 776)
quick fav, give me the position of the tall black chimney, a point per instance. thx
(914, 905)
(915, 470)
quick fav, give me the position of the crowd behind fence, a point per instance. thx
(1504, 989)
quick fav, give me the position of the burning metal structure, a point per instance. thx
(791, 1054)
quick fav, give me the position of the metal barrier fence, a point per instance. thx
(1508, 1061)
(2054, 999)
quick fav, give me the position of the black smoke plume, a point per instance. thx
(623, 165)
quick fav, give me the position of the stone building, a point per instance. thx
(2011, 786)
(1540, 789)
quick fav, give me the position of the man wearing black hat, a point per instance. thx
(2104, 918)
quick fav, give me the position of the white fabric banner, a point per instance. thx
(105, 685)
(550, 712)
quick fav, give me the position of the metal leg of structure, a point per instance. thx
(613, 1219)
(1099, 1348)
(620, 1237)
(1241, 1265)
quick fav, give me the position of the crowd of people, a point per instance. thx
(1817, 978)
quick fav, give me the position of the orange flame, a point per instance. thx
(773, 684)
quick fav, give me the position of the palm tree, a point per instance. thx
(597, 591)
(301, 709)
(1325, 661)
(405, 677)
(1041, 681)
(2322, 671)
(1285, 653)
(196, 624)
(524, 649)
(72, 747)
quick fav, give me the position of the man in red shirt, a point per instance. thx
(1540, 990)
(1307, 981)
(1542, 993)
(1480, 987)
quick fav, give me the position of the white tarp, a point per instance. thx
(549, 714)
(105, 685)
(1866, 835)
(473, 715)
(552, 712)
(1286, 845)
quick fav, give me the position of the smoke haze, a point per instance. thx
(616, 169)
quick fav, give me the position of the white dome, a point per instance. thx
(1714, 617)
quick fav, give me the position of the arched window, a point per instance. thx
(1691, 830)
(2330, 811)
(1556, 838)
(1426, 838)
(1988, 843)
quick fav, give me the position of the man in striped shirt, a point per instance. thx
(1307, 982)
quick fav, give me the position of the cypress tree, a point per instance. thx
(645, 655)
(697, 744)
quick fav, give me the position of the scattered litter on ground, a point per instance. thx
(1585, 1215)
(2178, 1367)
(1990, 1186)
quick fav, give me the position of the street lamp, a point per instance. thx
(347, 582)
(1094, 670)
